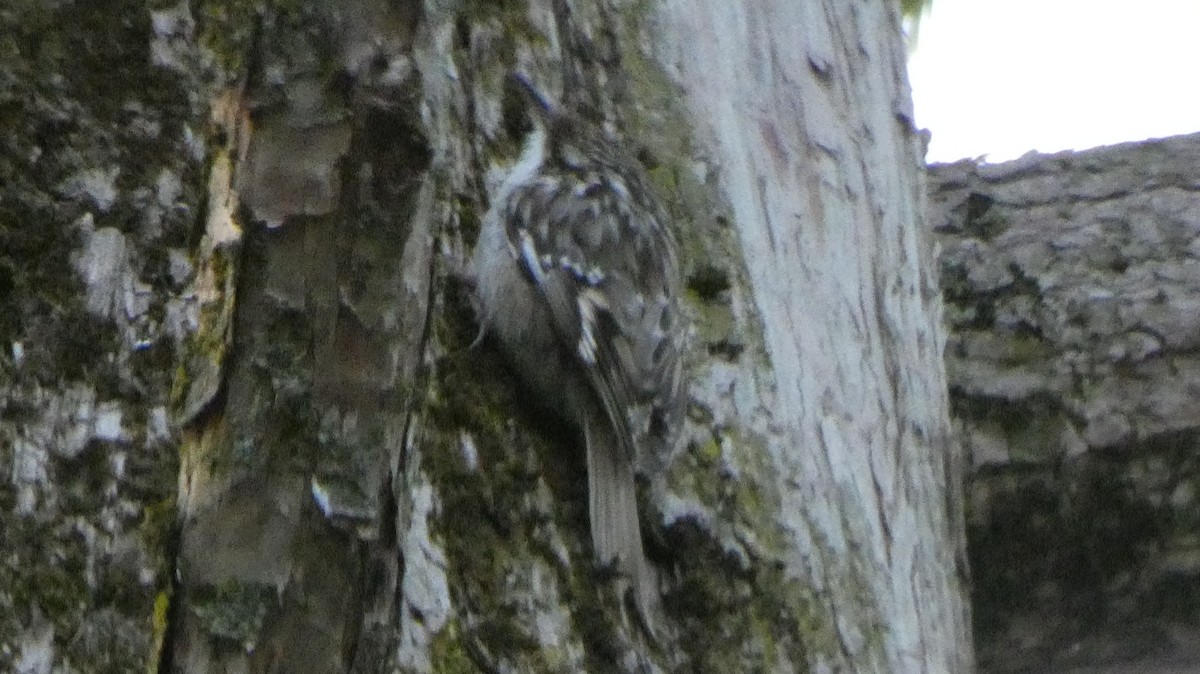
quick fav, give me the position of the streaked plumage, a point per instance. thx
(577, 277)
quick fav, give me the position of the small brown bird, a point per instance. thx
(576, 275)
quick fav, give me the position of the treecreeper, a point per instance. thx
(577, 277)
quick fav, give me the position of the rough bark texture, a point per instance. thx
(313, 284)
(231, 230)
(1072, 283)
(819, 176)
(101, 179)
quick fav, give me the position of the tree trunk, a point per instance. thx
(1073, 299)
(807, 115)
(360, 488)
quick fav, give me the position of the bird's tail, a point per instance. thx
(616, 534)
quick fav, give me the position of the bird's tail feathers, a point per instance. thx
(616, 534)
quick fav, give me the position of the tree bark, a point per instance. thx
(1074, 308)
(101, 180)
(361, 489)
(807, 109)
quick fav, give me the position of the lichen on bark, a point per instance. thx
(97, 199)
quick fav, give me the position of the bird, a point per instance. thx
(577, 276)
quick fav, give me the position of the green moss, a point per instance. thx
(227, 29)
(179, 387)
(466, 212)
(234, 611)
(55, 584)
(709, 453)
(739, 611)
(1025, 349)
(209, 449)
(448, 655)
(159, 523)
(716, 324)
(484, 524)
(737, 619)
(664, 178)
(158, 635)
(212, 334)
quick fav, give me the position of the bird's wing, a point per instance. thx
(605, 264)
